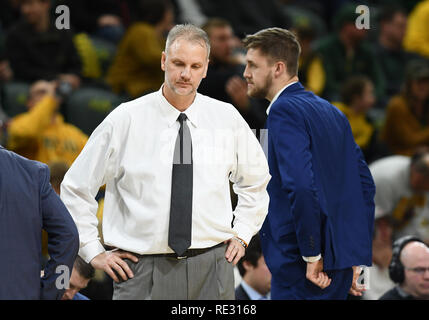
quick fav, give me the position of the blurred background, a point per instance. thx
(57, 85)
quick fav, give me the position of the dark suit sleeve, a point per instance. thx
(367, 182)
(63, 239)
(292, 149)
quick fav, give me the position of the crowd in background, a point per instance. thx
(58, 84)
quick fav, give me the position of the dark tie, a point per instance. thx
(179, 232)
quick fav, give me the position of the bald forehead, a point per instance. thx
(414, 250)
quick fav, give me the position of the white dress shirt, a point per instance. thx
(131, 152)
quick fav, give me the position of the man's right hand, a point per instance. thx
(316, 275)
(111, 261)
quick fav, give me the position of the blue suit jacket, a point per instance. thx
(28, 204)
(321, 191)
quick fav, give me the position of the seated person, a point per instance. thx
(345, 53)
(224, 80)
(379, 281)
(402, 192)
(41, 133)
(417, 35)
(409, 268)
(357, 98)
(136, 67)
(36, 49)
(256, 277)
(407, 116)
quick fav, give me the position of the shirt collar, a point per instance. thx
(171, 113)
(252, 293)
(278, 94)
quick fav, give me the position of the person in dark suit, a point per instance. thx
(28, 205)
(321, 213)
(256, 278)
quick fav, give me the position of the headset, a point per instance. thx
(396, 268)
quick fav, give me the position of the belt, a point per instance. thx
(187, 254)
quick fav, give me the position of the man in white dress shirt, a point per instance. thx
(133, 152)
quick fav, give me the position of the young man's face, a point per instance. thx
(259, 276)
(258, 74)
(185, 65)
(77, 283)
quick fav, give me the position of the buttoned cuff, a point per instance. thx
(91, 250)
(312, 259)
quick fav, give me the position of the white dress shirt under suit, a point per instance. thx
(131, 152)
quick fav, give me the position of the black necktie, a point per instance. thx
(179, 232)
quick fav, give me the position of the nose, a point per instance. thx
(246, 74)
(186, 73)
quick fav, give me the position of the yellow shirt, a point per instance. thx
(362, 130)
(402, 131)
(33, 135)
(417, 35)
(136, 68)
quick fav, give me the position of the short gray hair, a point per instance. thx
(188, 32)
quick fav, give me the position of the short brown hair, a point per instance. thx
(277, 44)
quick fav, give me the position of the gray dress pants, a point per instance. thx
(208, 276)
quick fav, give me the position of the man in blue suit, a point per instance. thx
(28, 204)
(321, 213)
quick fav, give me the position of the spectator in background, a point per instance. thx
(135, 69)
(224, 80)
(407, 117)
(402, 192)
(36, 49)
(389, 50)
(410, 269)
(247, 16)
(357, 98)
(100, 18)
(82, 273)
(417, 35)
(41, 133)
(345, 53)
(58, 170)
(379, 280)
(310, 70)
(256, 277)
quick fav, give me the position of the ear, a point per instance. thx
(280, 69)
(247, 265)
(163, 59)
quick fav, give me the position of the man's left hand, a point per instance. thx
(235, 251)
(356, 289)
